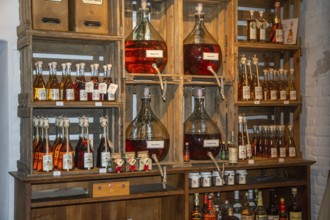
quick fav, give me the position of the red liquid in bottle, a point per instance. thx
(136, 60)
(141, 145)
(196, 145)
(197, 59)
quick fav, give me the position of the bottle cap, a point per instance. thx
(146, 92)
(82, 65)
(68, 64)
(199, 93)
(109, 66)
(251, 12)
(96, 65)
(199, 8)
(144, 4)
(261, 13)
(77, 66)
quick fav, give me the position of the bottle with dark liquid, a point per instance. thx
(260, 212)
(254, 142)
(144, 46)
(39, 87)
(273, 144)
(68, 86)
(210, 214)
(104, 151)
(260, 144)
(281, 142)
(295, 210)
(266, 141)
(246, 213)
(276, 33)
(196, 214)
(283, 215)
(66, 156)
(272, 210)
(95, 79)
(201, 132)
(265, 86)
(76, 82)
(230, 215)
(201, 50)
(246, 89)
(146, 132)
(82, 94)
(241, 139)
(83, 152)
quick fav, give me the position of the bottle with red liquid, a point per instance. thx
(144, 46)
(66, 155)
(201, 50)
(104, 150)
(82, 94)
(201, 133)
(146, 132)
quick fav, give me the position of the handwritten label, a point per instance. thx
(211, 143)
(154, 53)
(210, 56)
(155, 144)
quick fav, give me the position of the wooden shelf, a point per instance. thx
(267, 47)
(75, 104)
(267, 103)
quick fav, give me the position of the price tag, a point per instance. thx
(286, 102)
(89, 87)
(257, 102)
(57, 173)
(98, 104)
(59, 103)
(281, 160)
(250, 161)
(102, 170)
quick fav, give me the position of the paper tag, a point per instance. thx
(211, 143)
(210, 56)
(112, 88)
(102, 170)
(93, 2)
(57, 173)
(281, 160)
(88, 160)
(250, 161)
(67, 161)
(47, 162)
(154, 53)
(89, 87)
(82, 95)
(102, 88)
(98, 104)
(286, 102)
(69, 94)
(105, 158)
(96, 95)
(256, 102)
(155, 144)
(59, 104)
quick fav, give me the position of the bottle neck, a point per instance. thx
(145, 107)
(199, 104)
(282, 206)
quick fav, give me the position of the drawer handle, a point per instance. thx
(51, 20)
(92, 23)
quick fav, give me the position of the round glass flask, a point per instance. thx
(146, 132)
(144, 46)
(200, 49)
(202, 134)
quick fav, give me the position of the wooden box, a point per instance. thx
(89, 16)
(109, 189)
(50, 15)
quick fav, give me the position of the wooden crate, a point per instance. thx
(50, 15)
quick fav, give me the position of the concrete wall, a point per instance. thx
(315, 81)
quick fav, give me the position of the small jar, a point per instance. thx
(241, 177)
(216, 179)
(194, 180)
(206, 179)
(230, 177)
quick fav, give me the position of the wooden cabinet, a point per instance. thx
(147, 199)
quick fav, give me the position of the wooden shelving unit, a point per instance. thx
(148, 200)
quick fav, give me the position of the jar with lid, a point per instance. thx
(230, 177)
(216, 179)
(194, 180)
(241, 177)
(206, 179)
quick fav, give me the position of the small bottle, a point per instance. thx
(252, 203)
(230, 215)
(66, 157)
(252, 27)
(39, 87)
(272, 210)
(81, 84)
(58, 140)
(258, 94)
(196, 214)
(291, 146)
(237, 206)
(292, 86)
(295, 211)
(262, 25)
(241, 140)
(273, 143)
(68, 86)
(254, 142)
(246, 92)
(276, 33)
(283, 215)
(247, 211)
(104, 151)
(260, 212)
(217, 205)
(233, 151)
(272, 85)
(205, 204)
(281, 142)
(95, 78)
(186, 153)
(249, 154)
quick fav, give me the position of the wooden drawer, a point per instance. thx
(89, 16)
(50, 15)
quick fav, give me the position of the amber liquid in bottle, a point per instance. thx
(63, 81)
(295, 210)
(39, 87)
(252, 28)
(276, 33)
(81, 84)
(45, 161)
(66, 156)
(53, 87)
(196, 214)
(59, 140)
(68, 86)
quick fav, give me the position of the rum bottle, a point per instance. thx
(201, 132)
(53, 86)
(230, 215)
(252, 27)
(104, 151)
(260, 212)
(241, 140)
(58, 140)
(291, 146)
(68, 86)
(201, 50)
(276, 33)
(39, 87)
(262, 25)
(66, 156)
(283, 215)
(45, 161)
(82, 84)
(292, 86)
(247, 213)
(210, 214)
(272, 210)
(147, 133)
(281, 142)
(144, 46)
(295, 211)
(237, 206)
(233, 150)
(196, 214)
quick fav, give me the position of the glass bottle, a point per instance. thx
(104, 151)
(286, 83)
(283, 215)
(83, 152)
(260, 212)
(107, 80)
(40, 144)
(245, 86)
(144, 46)
(272, 85)
(186, 153)
(200, 50)
(53, 86)
(90, 85)
(272, 143)
(247, 213)
(252, 203)
(217, 205)
(66, 157)
(254, 142)
(282, 86)
(81, 84)
(281, 142)
(36, 136)
(205, 203)
(63, 81)
(76, 82)
(295, 210)
(196, 214)
(266, 141)
(39, 87)
(210, 214)
(95, 78)
(276, 32)
(68, 86)
(247, 139)
(257, 88)
(237, 206)
(230, 215)
(262, 25)
(241, 140)
(233, 150)
(250, 78)
(272, 210)
(58, 140)
(252, 27)
(146, 132)
(291, 146)
(240, 81)
(225, 208)
(45, 161)
(260, 145)
(292, 86)
(202, 134)
(265, 86)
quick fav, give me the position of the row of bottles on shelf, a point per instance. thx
(250, 208)
(97, 88)
(277, 85)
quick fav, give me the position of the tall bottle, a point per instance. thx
(249, 153)
(241, 139)
(265, 86)
(40, 144)
(292, 86)
(247, 212)
(283, 215)
(104, 151)
(295, 211)
(39, 87)
(210, 214)
(266, 141)
(252, 203)
(254, 142)
(196, 214)
(36, 136)
(260, 144)
(291, 146)
(202, 134)
(281, 142)
(237, 206)
(58, 140)
(54, 87)
(76, 82)
(82, 94)
(45, 162)
(66, 157)
(84, 152)
(282, 87)
(217, 205)
(257, 87)
(272, 210)
(276, 33)
(262, 25)
(68, 86)
(230, 215)
(95, 79)
(146, 132)
(63, 81)
(246, 85)
(144, 46)
(201, 50)
(233, 150)
(225, 208)
(273, 144)
(272, 85)
(252, 27)
(260, 212)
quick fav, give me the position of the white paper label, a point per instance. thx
(59, 103)
(279, 36)
(211, 143)
(286, 102)
(42, 94)
(57, 173)
(93, 2)
(88, 160)
(96, 95)
(232, 155)
(82, 95)
(102, 88)
(55, 94)
(105, 158)
(241, 152)
(256, 102)
(155, 144)
(246, 92)
(112, 91)
(273, 95)
(67, 161)
(102, 170)
(69, 93)
(282, 152)
(293, 95)
(248, 151)
(283, 95)
(262, 35)
(258, 92)
(47, 162)
(253, 31)
(98, 104)
(210, 56)
(250, 161)
(281, 160)
(292, 151)
(154, 53)
(89, 86)
(273, 152)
